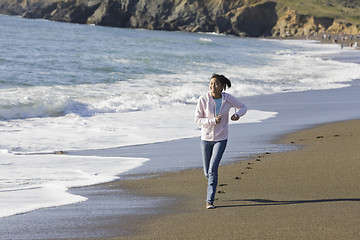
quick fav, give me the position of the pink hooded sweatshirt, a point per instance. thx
(205, 116)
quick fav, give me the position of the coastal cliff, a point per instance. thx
(291, 23)
(251, 18)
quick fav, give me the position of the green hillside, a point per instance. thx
(340, 9)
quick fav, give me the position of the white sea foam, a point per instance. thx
(205, 40)
(72, 132)
(21, 192)
(292, 70)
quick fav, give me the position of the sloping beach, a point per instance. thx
(311, 193)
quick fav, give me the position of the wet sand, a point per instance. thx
(310, 193)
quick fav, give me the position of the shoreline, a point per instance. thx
(310, 193)
(343, 40)
(134, 221)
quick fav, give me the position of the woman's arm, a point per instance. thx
(200, 117)
(240, 107)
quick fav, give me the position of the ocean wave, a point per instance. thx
(206, 41)
(42, 107)
(286, 71)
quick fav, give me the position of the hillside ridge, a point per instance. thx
(250, 18)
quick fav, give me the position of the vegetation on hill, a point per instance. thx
(347, 10)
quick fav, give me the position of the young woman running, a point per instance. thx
(212, 113)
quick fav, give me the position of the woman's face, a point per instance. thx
(215, 86)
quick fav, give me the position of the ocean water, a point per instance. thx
(76, 87)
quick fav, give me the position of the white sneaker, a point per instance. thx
(209, 206)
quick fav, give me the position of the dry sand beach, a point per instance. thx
(310, 193)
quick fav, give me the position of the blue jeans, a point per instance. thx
(212, 153)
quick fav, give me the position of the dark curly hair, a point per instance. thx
(224, 80)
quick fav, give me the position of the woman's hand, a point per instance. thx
(235, 117)
(218, 119)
